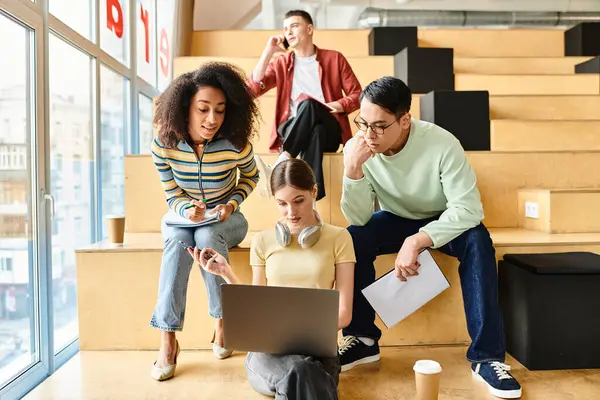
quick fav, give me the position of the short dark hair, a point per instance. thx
(299, 13)
(389, 93)
(241, 112)
(293, 172)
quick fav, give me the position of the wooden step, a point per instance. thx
(199, 376)
(145, 201)
(524, 135)
(251, 43)
(563, 107)
(517, 65)
(496, 42)
(560, 210)
(267, 105)
(499, 176)
(129, 307)
(355, 42)
(530, 84)
(366, 69)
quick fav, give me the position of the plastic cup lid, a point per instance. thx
(111, 216)
(427, 367)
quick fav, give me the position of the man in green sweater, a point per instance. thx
(427, 192)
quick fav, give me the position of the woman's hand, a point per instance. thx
(225, 209)
(196, 213)
(211, 261)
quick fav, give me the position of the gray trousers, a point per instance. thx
(293, 377)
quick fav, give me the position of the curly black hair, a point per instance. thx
(241, 112)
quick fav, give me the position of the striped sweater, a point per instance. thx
(212, 177)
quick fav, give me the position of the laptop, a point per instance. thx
(280, 320)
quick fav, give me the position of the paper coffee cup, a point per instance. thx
(115, 225)
(427, 377)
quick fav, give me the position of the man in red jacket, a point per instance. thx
(311, 112)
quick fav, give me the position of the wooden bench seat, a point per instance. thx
(117, 289)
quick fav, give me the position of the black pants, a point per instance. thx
(309, 134)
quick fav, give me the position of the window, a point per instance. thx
(77, 194)
(146, 39)
(78, 225)
(114, 106)
(76, 14)
(77, 166)
(114, 29)
(146, 126)
(18, 340)
(71, 104)
(54, 227)
(91, 85)
(165, 12)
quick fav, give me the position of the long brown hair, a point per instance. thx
(293, 172)
(241, 112)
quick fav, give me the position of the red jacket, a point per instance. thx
(335, 74)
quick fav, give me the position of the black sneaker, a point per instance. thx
(354, 352)
(500, 382)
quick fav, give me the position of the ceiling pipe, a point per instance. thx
(373, 17)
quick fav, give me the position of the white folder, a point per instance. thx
(394, 300)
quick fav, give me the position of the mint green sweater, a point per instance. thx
(428, 177)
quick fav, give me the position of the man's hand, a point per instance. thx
(407, 262)
(274, 45)
(356, 156)
(196, 213)
(225, 209)
(337, 106)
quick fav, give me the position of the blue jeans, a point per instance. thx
(385, 233)
(169, 313)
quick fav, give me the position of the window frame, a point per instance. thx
(36, 17)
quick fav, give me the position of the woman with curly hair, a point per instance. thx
(206, 119)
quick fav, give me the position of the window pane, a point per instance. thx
(76, 14)
(164, 41)
(146, 126)
(114, 106)
(18, 339)
(114, 29)
(146, 39)
(72, 162)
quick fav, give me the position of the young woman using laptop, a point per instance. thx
(301, 251)
(205, 121)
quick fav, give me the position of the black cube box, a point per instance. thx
(466, 114)
(389, 40)
(425, 69)
(589, 67)
(583, 39)
(551, 309)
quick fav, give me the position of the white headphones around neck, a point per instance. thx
(307, 238)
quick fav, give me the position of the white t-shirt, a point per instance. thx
(306, 80)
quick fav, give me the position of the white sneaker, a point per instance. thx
(265, 171)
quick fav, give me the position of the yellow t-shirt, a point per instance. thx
(294, 266)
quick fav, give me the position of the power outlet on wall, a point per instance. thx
(532, 210)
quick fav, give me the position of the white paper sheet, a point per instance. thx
(394, 300)
(175, 220)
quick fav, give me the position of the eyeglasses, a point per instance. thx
(378, 130)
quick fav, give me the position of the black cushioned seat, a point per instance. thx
(551, 309)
